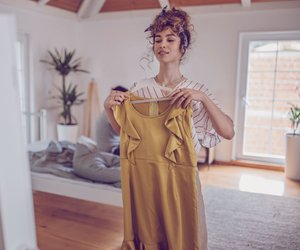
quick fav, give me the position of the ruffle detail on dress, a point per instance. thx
(176, 137)
(125, 124)
(138, 245)
(134, 139)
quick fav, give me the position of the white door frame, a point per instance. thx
(244, 40)
(16, 204)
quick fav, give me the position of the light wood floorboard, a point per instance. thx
(65, 223)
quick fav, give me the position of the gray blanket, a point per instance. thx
(89, 163)
(81, 161)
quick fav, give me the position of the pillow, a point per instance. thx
(94, 165)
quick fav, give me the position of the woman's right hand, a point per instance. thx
(115, 98)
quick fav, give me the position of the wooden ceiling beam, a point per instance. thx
(90, 8)
(43, 2)
(246, 3)
(164, 3)
(85, 5)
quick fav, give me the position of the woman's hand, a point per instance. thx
(185, 96)
(115, 98)
(220, 121)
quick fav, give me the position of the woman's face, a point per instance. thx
(167, 46)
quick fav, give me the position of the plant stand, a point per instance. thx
(292, 156)
(67, 132)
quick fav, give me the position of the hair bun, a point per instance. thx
(175, 19)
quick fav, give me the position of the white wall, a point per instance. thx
(114, 47)
(113, 44)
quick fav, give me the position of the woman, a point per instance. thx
(170, 34)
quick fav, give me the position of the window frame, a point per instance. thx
(241, 86)
(23, 39)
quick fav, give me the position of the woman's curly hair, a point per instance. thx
(175, 19)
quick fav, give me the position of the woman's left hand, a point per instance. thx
(185, 96)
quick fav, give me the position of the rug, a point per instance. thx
(239, 220)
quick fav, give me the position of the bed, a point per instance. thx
(96, 192)
(75, 187)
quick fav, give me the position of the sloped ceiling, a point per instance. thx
(85, 9)
(125, 5)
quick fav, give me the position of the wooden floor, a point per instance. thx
(68, 224)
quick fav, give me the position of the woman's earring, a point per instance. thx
(183, 50)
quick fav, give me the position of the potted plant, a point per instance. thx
(64, 63)
(292, 158)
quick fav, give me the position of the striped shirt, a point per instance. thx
(203, 133)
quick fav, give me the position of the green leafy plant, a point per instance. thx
(64, 63)
(294, 115)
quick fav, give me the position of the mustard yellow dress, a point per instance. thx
(162, 200)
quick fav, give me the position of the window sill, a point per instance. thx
(252, 164)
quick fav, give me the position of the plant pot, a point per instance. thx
(67, 132)
(292, 156)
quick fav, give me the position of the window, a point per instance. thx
(269, 77)
(23, 83)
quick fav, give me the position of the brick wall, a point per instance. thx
(272, 82)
